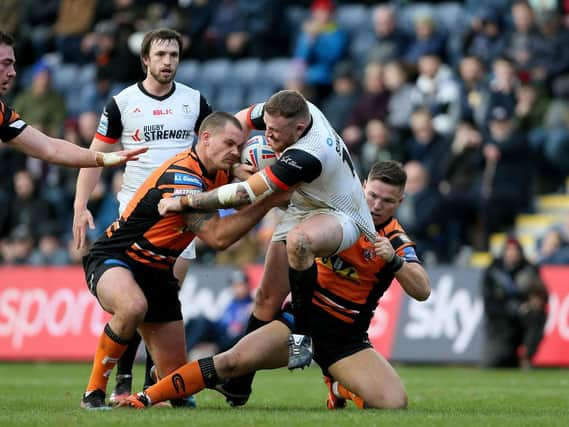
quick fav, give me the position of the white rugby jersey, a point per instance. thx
(337, 185)
(166, 124)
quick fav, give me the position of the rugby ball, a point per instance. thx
(258, 153)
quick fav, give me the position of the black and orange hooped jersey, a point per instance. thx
(351, 283)
(141, 233)
(11, 125)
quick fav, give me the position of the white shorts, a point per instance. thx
(294, 216)
(190, 251)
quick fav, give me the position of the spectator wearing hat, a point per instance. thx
(484, 38)
(515, 301)
(225, 331)
(320, 46)
(17, 248)
(49, 250)
(345, 92)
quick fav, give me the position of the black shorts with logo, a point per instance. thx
(332, 339)
(160, 287)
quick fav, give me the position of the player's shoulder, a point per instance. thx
(185, 89)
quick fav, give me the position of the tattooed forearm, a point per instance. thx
(236, 196)
(195, 221)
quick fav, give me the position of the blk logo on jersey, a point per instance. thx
(162, 112)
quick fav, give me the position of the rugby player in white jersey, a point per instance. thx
(327, 212)
(157, 113)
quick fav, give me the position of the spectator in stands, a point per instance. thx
(523, 41)
(485, 38)
(553, 57)
(74, 20)
(40, 104)
(17, 248)
(37, 28)
(473, 90)
(320, 46)
(226, 34)
(345, 93)
(505, 188)
(397, 83)
(27, 207)
(230, 327)
(437, 91)
(94, 96)
(462, 172)
(373, 103)
(427, 40)
(381, 143)
(426, 145)
(389, 42)
(49, 250)
(553, 248)
(421, 215)
(515, 301)
(196, 18)
(503, 85)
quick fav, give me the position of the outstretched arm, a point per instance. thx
(58, 151)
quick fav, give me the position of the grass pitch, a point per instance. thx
(48, 394)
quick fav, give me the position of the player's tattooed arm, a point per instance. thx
(195, 221)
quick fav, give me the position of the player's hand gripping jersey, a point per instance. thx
(321, 162)
(141, 232)
(351, 283)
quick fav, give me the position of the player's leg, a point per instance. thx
(265, 348)
(370, 377)
(166, 344)
(118, 294)
(270, 294)
(123, 385)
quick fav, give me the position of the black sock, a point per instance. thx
(242, 384)
(124, 365)
(302, 283)
(148, 380)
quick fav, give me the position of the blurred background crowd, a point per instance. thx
(472, 96)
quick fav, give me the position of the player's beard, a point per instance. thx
(161, 78)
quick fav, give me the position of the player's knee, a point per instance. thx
(134, 309)
(298, 247)
(392, 399)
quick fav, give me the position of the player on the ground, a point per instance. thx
(327, 213)
(336, 312)
(27, 139)
(157, 113)
(129, 269)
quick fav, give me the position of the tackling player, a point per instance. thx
(160, 114)
(336, 312)
(130, 268)
(27, 139)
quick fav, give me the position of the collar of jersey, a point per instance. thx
(158, 98)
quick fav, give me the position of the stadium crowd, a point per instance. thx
(472, 96)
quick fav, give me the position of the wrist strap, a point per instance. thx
(395, 264)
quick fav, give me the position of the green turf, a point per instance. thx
(48, 395)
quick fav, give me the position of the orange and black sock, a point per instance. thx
(340, 391)
(185, 381)
(111, 347)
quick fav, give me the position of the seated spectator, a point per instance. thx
(397, 83)
(502, 86)
(515, 301)
(473, 90)
(345, 92)
(427, 40)
(553, 248)
(485, 38)
(524, 41)
(553, 57)
(49, 250)
(380, 144)
(230, 327)
(320, 46)
(373, 103)
(437, 91)
(17, 248)
(74, 20)
(388, 42)
(421, 215)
